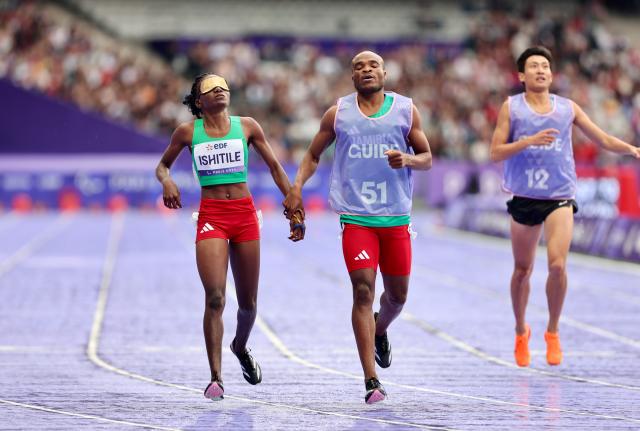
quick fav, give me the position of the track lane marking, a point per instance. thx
(34, 244)
(455, 282)
(292, 356)
(461, 345)
(94, 340)
(85, 416)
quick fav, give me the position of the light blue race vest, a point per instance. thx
(362, 182)
(541, 172)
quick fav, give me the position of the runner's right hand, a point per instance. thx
(543, 137)
(171, 194)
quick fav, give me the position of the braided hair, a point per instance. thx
(190, 99)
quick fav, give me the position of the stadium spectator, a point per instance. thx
(287, 84)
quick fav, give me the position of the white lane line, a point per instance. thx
(275, 340)
(455, 282)
(115, 235)
(490, 358)
(6, 265)
(486, 292)
(143, 378)
(609, 293)
(85, 416)
(94, 339)
(504, 244)
(293, 357)
(600, 331)
(49, 350)
(23, 252)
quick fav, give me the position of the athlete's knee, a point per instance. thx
(557, 268)
(215, 301)
(248, 306)
(397, 298)
(522, 272)
(362, 294)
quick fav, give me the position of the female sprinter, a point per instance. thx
(227, 228)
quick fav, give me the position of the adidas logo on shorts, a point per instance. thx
(362, 256)
(206, 228)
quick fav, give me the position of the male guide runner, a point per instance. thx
(379, 141)
(533, 137)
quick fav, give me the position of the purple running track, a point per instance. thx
(100, 328)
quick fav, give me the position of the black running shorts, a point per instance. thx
(532, 212)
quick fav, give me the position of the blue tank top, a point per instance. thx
(362, 182)
(541, 172)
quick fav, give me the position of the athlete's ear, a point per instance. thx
(521, 77)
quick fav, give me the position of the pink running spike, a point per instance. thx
(214, 391)
(375, 397)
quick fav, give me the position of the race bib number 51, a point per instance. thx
(374, 193)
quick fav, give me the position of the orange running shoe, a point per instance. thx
(554, 352)
(523, 357)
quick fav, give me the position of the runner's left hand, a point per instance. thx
(396, 159)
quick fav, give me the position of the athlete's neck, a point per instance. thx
(370, 103)
(217, 122)
(538, 99)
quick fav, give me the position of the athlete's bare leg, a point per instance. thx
(524, 240)
(212, 257)
(392, 300)
(363, 282)
(245, 266)
(558, 229)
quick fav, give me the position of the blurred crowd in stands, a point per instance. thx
(286, 84)
(76, 63)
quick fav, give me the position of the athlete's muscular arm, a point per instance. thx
(501, 150)
(418, 140)
(309, 164)
(180, 139)
(596, 134)
(255, 137)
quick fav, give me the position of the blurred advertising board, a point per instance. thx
(108, 183)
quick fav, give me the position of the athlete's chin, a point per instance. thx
(538, 88)
(369, 88)
(217, 106)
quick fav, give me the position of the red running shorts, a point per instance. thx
(366, 247)
(231, 219)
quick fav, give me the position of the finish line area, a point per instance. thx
(101, 328)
